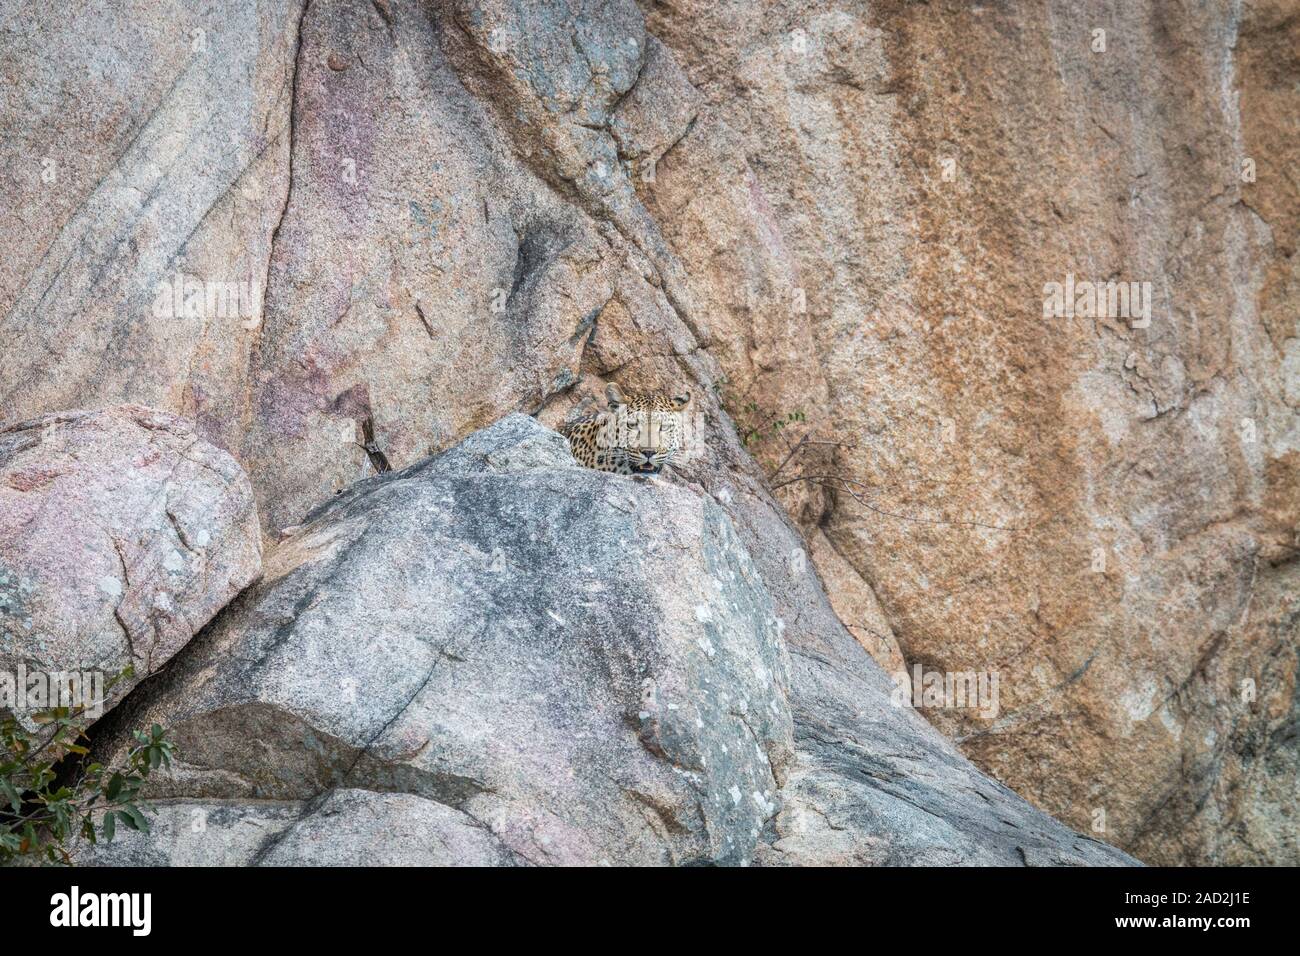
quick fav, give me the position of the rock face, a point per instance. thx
(283, 218)
(1103, 510)
(122, 533)
(496, 656)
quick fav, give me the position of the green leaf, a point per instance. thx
(62, 820)
(132, 813)
(110, 826)
(12, 795)
(114, 786)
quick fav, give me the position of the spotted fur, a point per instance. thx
(637, 436)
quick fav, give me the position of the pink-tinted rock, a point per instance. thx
(122, 533)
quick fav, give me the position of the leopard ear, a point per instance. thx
(681, 400)
(614, 395)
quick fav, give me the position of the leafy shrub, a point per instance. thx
(39, 814)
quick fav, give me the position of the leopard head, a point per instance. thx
(647, 431)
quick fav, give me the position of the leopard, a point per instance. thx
(639, 435)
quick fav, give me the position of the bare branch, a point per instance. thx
(793, 451)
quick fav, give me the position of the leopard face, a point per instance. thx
(639, 435)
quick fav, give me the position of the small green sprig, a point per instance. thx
(38, 815)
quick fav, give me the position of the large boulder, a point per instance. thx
(496, 656)
(122, 533)
(585, 666)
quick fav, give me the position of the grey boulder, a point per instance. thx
(578, 667)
